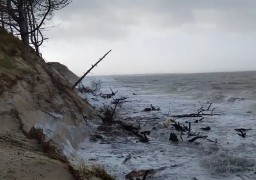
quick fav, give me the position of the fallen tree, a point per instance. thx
(204, 110)
(89, 70)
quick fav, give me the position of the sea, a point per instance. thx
(224, 154)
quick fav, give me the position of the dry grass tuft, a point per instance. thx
(6, 61)
(10, 44)
(86, 172)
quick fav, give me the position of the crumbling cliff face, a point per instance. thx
(63, 71)
(37, 99)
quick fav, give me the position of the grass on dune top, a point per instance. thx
(10, 44)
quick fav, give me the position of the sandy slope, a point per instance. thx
(34, 97)
(23, 159)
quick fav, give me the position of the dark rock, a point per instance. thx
(173, 137)
(145, 132)
(144, 139)
(147, 110)
(207, 128)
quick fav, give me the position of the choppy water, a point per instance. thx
(233, 95)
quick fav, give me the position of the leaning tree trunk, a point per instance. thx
(2, 18)
(23, 23)
(24, 33)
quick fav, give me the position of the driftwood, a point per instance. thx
(196, 115)
(108, 114)
(203, 108)
(242, 129)
(95, 137)
(87, 72)
(201, 112)
(144, 137)
(134, 130)
(83, 89)
(173, 137)
(207, 128)
(127, 158)
(119, 100)
(109, 111)
(108, 95)
(151, 108)
(179, 127)
(95, 87)
(141, 174)
(186, 130)
(242, 132)
(197, 137)
(198, 120)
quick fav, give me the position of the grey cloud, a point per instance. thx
(114, 19)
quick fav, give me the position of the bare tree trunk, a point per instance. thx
(10, 27)
(87, 72)
(15, 14)
(23, 23)
(2, 18)
(2, 15)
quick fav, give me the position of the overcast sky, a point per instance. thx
(154, 36)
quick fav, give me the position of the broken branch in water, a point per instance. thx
(151, 108)
(197, 137)
(108, 95)
(173, 137)
(242, 132)
(201, 112)
(119, 100)
(196, 115)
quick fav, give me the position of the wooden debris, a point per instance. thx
(139, 175)
(145, 132)
(242, 129)
(197, 137)
(199, 120)
(147, 109)
(151, 108)
(242, 132)
(144, 137)
(108, 95)
(178, 127)
(135, 130)
(96, 137)
(127, 158)
(87, 72)
(154, 108)
(207, 128)
(196, 115)
(173, 137)
(119, 100)
(204, 110)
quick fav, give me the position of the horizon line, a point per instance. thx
(141, 74)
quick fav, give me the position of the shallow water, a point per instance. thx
(233, 157)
